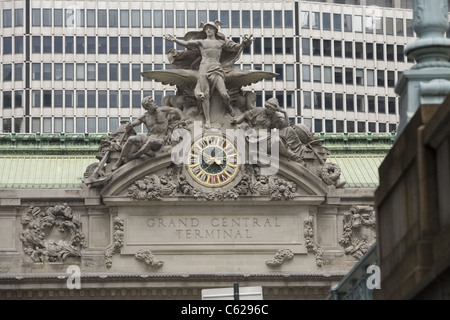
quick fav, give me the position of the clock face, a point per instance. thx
(213, 161)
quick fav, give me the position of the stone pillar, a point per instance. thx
(427, 82)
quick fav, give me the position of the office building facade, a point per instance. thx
(74, 66)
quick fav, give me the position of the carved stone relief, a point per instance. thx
(118, 241)
(311, 244)
(148, 258)
(359, 231)
(281, 256)
(51, 234)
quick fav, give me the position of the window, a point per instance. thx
(369, 24)
(360, 77)
(289, 46)
(278, 46)
(382, 105)
(277, 19)
(338, 75)
(80, 71)
(135, 72)
(57, 18)
(113, 19)
(337, 23)
(288, 19)
(361, 127)
(91, 45)
(7, 72)
(307, 100)
(370, 78)
(400, 53)
(267, 19)
(380, 52)
(350, 126)
(124, 18)
(360, 106)
(47, 98)
(68, 44)
(146, 18)
(399, 27)
(290, 72)
(213, 15)
(113, 99)
(35, 43)
(80, 99)
(58, 99)
(306, 49)
(113, 72)
(317, 74)
(69, 71)
(90, 17)
(339, 126)
(326, 21)
(58, 71)
(192, 21)
(124, 99)
(202, 16)
(339, 101)
(379, 25)
(348, 23)
(391, 79)
(168, 18)
(36, 98)
(329, 126)
(36, 17)
(7, 18)
(389, 26)
(348, 49)
(113, 45)
(349, 75)
(235, 20)
(349, 102)
(7, 100)
(47, 71)
(136, 45)
(18, 72)
(47, 44)
(328, 101)
(338, 48)
(369, 51)
(124, 72)
(316, 47)
(157, 18)
(80, 44)
(102, 45)
(18, 17)
(179, 18)
(382, 127)
(135, 18)
(267, 45)
(306, 73)
(391, 105)
(357, 24)
(380, 78)
(359, 50)
(327, 75)
(315, 20)
(371, 104)
(36, 71)
(102, 72)
(327, 48)
(318, 125)
(69, 99)
(124, 45)
(101, 18)
(158, 49)
(304, 19)
(318, 100)
(91, 72)
(58, 44)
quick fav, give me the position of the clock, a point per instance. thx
(213, 161)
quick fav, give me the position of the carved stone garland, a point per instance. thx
(118, 241)
(281, 256)
(51, 234)
(148, 258)
(311, 245)
(154, 187)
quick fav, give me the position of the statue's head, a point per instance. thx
(148, 103)
(272, 105)
(214, 25)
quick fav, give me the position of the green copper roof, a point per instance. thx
(66, 172)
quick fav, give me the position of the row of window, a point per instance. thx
(353, 50)
(128, 45)
(348, 102)
(351, 76)
(132, 98)
(114, 71)
(341, 126)
(77, 17)
(372, 23)
(110, 124)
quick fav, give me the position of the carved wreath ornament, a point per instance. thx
(51, 234)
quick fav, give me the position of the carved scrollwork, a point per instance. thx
(148, 258)
(52, 234)
(359, 231)
(118, 241)
(311, 245)
(281, 256)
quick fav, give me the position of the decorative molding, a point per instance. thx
(148, 258)
(281, 256)
(52, 234)
(311, 245)
(174, 184)
(118, 241)
(359, 231)
(330, 173)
